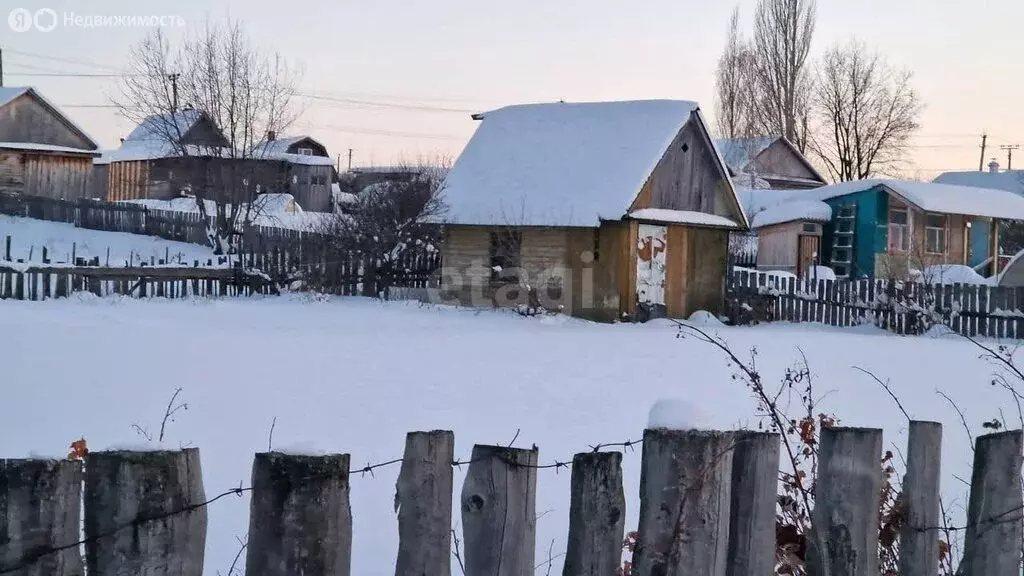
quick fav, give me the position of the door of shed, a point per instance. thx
(652, 242)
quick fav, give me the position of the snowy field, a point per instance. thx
(29, 236)
(354, 375)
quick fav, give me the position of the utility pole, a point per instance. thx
(1, 67)
(981, 163)
(174, 90)
(1009, 154)
(349, 159)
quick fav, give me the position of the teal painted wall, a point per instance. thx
(871, 234)
(980, 234)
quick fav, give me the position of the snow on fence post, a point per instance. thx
(499, 517)
(597, 515)
(423, 500)
(994, 527)
(755, 481)
(145, 513)
(300, 519)
(919, 541)
(685, 485)
(847, 495)
(40, 502)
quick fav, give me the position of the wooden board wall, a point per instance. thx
(26, 119)
(60, 177)
(128, 181)
(777, 246)
(12, 173)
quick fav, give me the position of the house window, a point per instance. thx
(317, 180)
(505, 253)
(935, 235)
(305, 151)
(899, 229)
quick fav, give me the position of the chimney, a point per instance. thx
(993, 166)
(271, 135)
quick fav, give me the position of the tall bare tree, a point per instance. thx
(217, 75)
(733, 84)
(867, 112)
(783, 30)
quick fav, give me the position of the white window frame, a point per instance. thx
(944, 230)
(906, 230)
(305, 151)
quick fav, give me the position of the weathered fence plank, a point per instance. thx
(685, 484)
(300, 519)
(40, 506)
(423, 498)
(994, 514)
(847, 494)
(597, 515)
(499, 517)
(124, 493)
(919, 541)
(755, 482)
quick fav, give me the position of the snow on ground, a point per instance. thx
(29, 236)
(301, 221)
(355, 375)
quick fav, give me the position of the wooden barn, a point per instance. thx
(300, 166)
(42, 152)
(607, 210)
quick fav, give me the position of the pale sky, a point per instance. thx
(407, 74)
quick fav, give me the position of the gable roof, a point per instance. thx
(9, 93)
(1009, 180)
(277, 149)
(562, 164)
(931, 197)
(149, 140)
(738, 153)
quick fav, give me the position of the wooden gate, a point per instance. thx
(652, 242)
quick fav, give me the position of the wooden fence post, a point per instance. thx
(847, 496)
(423, 499)
(499, 511)
(145, 513)
(994, 527)
(597, 515)
(754, 492)
(685, 484)
(919, 539)
(300, 519)
(40, 502)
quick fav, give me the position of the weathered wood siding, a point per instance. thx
(781, 160)
(12, 172)
(128, 181)
(465, 255)
(311, 186)
(61, 177)
(99, 181)
(26, 119)
(777, 247)
(707, 260)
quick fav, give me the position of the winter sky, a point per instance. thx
(401, 77)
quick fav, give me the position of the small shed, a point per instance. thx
(789, 236)
(42, 152)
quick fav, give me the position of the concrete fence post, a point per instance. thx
(300, 519)
(144, 513)
(847, 496)
(40, 506)
(499, 512)
(754, 492)
(597, 515)
(919, 537)
(994, 525)
(423, 500)
(685, 485)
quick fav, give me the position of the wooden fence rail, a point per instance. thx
(900, 307)
(145, 512)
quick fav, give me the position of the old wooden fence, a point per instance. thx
(900, 307)
(707, 506)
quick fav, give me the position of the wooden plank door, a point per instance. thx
(810, 248)
(652, 241)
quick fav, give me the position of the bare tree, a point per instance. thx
(390, 219)
(215, 78)
(733, 84)
(867, 112)
(783, 30)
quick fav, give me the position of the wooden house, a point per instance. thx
(42, 152)
(300, 166)
(606, 210)
(890, 228)
(789, 236)
(771, 159)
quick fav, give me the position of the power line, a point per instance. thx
(59, 59)
(385, 104)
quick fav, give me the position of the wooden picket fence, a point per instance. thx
(707, 506)
(900, 307)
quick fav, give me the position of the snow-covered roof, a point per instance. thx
(1009, 180)
(160, 127)
(277, 149)
(152, 139)
(560, 164)
(342, 197)
(684, 217)
(792, 211)
(740, 152)
(932, 197)
(45, 148)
